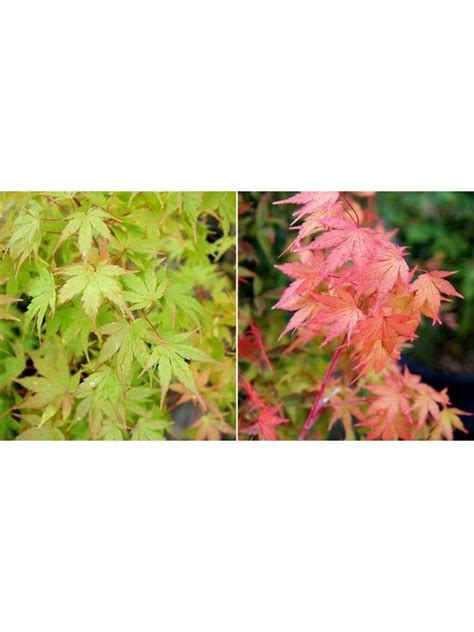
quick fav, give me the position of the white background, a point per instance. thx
(226, 537)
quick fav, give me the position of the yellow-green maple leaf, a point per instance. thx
(171, 360)
(95, 284)
(26, 236)
(125, 343)
(143, 294)
(86, 224)
(43, 291)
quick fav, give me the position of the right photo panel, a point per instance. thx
(356, 317)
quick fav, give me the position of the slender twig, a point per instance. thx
(346, 199)
(319, 402)
(6, 412)
(165, 342)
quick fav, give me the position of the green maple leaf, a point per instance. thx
(212, 427)
(171, 360)
(111, 431)
(192, 209)
(74, 325)
(221, 204)
(43, 291)
(144, 294)
(95, 284)
(149, 428)
(202, 274)
(41, 434)
(26, 237)
(4, 313)
(94, 324)
(53, 386)
(125, 342)
(87, 224)
(177, 298)
(13, 365)
(102, 401)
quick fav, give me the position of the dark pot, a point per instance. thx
(460, 390)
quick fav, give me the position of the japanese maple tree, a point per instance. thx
(116, 315)
(352, 289)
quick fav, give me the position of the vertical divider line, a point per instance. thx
(236, 316)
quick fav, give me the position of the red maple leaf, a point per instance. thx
(340, 312)
(347, 242)
(428, 288)
(311, 201)
(308, 268)
(317, 205)
(380, 336)
(388, 267)
(448, 421)
(380, 428)
(252, 347)
(268, 417)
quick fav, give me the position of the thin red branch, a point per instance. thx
(258, 337)
(317, 404)
(346, 199)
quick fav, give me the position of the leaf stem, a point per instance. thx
(318, 402)
(165, 342)
(6, 412)
(346, 199)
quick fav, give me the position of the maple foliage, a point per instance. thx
(429, 289)
(264, 417)
(353, 291)
(116, 311)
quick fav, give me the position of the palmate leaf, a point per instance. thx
(211, 427)
(340, 312)
(26, 237)
(346, 242)
(102, 401)
(221, 204)
(52, 388)
(4, 313)
(87, 224)
(144, 293)
(428, 289)
(171, 360)
(125, 342)
(45, 433)
(192, 208)
(73, 325)
(104, 278)
(178, 299)
(43, 291)
(95, 284)
(150, 428)
(13, 365)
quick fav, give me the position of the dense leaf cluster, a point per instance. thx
(350, 283)
(117, 315)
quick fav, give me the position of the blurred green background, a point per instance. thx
(438, 228)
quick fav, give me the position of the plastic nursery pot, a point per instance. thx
(460, 390)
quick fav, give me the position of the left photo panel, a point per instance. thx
(117, 315)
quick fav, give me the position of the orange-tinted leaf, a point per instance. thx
(347, 242)
(428, 289)
(340, 312)
(388, 267)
